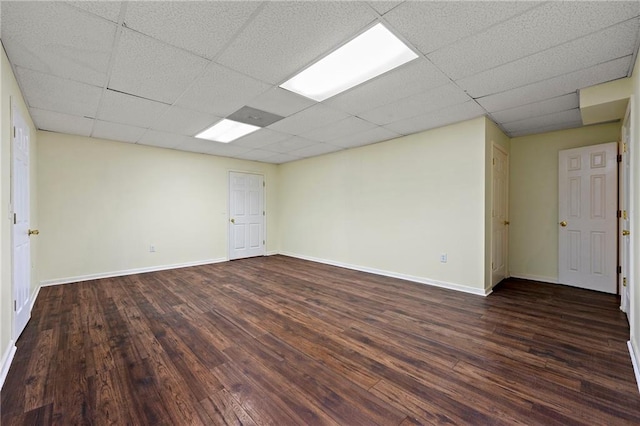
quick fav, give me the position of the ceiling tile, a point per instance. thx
(339, 129)
(442, 117)
(416, 105)
(383, 7)
(61, 123)
(51, 93)
(536, 30)
(199, 27)
(543, 121)
(286, 37)
(557, 86)
(221, 91)
(547, 106)
(561, 126)
(225, 149)
(105, 9)
(183, 121)
(292, 144)
(116, 131)
(430, 25)
(196, 145)
(256, 155)
(120, 108)
(377, 134)
(311, 118)
(280, 158)
(161, 139)
(150, 69)
(316, 149)
(612, 43)
(414, 77)
(261, 138)
(55, 38)
(281, 102)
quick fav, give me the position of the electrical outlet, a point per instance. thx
(443, 258)
(152, 249)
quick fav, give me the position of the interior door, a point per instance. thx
(587, 222)
(246, 215)
(623, 219)
(21, 245)
(499, 216)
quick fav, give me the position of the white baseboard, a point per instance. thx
(69, 280)
(541, 278)
(420, 280)
(272, 253)
(634, 361)
(34, 296)
(7, 358)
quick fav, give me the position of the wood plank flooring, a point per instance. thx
(282, 341)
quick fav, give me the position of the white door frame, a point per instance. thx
(264, 206)
(495, 146)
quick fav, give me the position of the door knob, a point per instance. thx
(33, 232)
(626, 232)
(233, 221)
(506, 222)
(563, 223)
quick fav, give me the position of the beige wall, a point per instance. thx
(103, 203)
(10, 93)
(393, 207)
(493, 135)
(533, 197)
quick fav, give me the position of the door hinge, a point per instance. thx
(15, 306)
(15, 219)
(263, 242)
(624, 147)
(624, 281)
(624, 214)
(263, 213)
(263, 184)
(619, 269)
(619, 158)
(14, 131)
(494, 161)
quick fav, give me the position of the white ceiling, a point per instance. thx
(156, 73)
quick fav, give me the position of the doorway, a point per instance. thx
(21, 217)
(246, 215)
(587, 206)
(499, 215)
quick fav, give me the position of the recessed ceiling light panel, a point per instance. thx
(372, 53)
(226, 131)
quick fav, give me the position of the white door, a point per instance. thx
(499, 215)
(623, 219)
(21, 246)
(587, 222)
(246, 215)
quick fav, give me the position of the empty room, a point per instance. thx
(319, 212)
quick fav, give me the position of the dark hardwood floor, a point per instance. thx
(283, 341)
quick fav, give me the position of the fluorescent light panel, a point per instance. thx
(372, 53)
(226, 131)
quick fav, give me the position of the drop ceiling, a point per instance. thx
(157, 73)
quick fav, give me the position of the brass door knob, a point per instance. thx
(506, 222)
(33, 232)
(233, 221)
(563, 223)
(625, 232)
